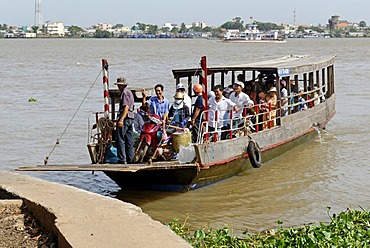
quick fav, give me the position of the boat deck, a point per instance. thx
(109, 167)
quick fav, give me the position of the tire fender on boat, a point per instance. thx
(254, 154)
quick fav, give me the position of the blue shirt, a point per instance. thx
(157, 107)
(198, 105)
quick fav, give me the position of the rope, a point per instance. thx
(69, 123)
(106, 127)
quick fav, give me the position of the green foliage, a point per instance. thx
(165, 29)
(175, 30)
(349, 229)
(267, 26)
(31, 99)
(103, 34)
(141, 26)
(35, 28)
(300, 29)
(317, 29)
(3, 27)
(152, 29)
(236, 23)
(362, 24)
(75, 31)
(183, 28)
(118, 26)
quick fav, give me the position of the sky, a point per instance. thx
(85, 13)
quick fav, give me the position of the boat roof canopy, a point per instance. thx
(285, 66)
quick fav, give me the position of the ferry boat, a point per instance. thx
(252, 34)
(212, 159)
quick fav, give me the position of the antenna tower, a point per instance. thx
(38, 13)
(294, 17)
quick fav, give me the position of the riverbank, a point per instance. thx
(18, 228)
(347, 229)
(78, 218)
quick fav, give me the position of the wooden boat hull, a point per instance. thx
(178, 179)
(221, 163)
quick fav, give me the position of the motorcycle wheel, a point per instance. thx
(141, 152)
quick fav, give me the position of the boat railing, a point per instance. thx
(253, 119)
(221, 128)
(260, 117)
(309, 99)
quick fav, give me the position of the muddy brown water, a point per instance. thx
(331, 170)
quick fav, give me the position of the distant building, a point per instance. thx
(55, 29)
(169, 25)
(104, 26)
(344, 25)
(199, 24)
(336, 24)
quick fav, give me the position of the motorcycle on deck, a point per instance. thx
(152, 147)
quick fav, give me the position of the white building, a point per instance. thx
(199, 24)
(169, 25)
(104, 26)
(55, 28)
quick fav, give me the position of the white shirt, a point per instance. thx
(187, 101)
(240, 100)
(221, 106)
(284, 94)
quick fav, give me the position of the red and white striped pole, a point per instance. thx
(105, 84)
(203, 64)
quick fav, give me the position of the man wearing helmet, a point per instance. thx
(187, 100)
(179, 112)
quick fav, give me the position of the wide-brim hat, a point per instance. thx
(121, 81)
(272, 89)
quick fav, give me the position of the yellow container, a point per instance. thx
(180, 139)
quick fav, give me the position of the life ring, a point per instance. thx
(254, 154)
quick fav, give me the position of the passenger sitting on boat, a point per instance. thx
(179, 113)
(241, 100)
(301, 100)
(284, 98)
(197, 111)
(316, 97)
(264, 109)
(228, 91)
(309, 98)
(272, 101)
(125, 140)
(249, 90)
(220, 104)
(259, 86)
(156, 104)
(292, 96)
(240, 78)
(269, 84)
(187, 100)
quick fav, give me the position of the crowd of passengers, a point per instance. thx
(242, 98)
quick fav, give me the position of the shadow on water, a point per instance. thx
(140, 198)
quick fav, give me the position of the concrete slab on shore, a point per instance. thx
(84, 219)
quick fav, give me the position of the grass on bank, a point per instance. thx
(350, 228)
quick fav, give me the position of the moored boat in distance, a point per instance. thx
(252, 34)
(266, 130)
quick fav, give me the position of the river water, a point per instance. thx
(296, 188)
